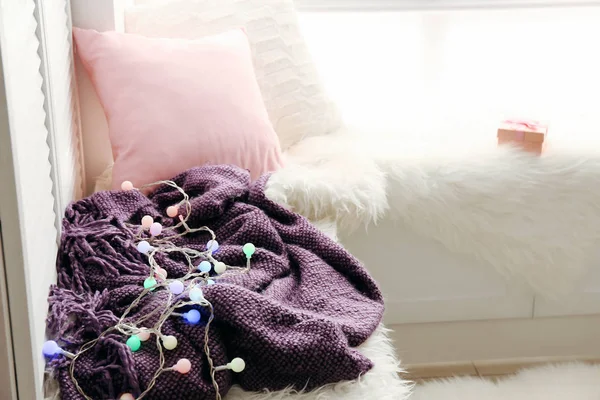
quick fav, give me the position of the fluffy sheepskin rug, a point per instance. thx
(382, 382)
(561, 382)
(534, 219)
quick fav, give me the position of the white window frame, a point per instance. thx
(380, 5)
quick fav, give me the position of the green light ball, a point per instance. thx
(134, 343)
(248, 249)
(149, 283)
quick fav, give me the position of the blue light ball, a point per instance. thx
(51, 348)
(212, 245)
(204, 266)
(144, 247)
(192, 316)
(196, 294)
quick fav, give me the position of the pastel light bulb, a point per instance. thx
(183, 366)
(212, 245)
(126, 185)
(144, 247)
(210, 282)
(176, 287)
(134, 343)
(143, 335)
(169, 342)
(160, 273)
(204, 266)
(192, 316)
(51, 349)
(155, 229)
(172, 211)
(237, 365)
(147, 221)
(149, 283)
(126, 396)
(220, 267)
(196, 294)
(248, 249)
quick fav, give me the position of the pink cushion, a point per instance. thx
(172, 104)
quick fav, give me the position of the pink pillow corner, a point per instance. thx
(173, 104)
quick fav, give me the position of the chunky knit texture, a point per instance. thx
(294, 317)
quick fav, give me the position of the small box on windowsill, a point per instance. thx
(528, 135)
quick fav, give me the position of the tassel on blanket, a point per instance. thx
(73, 315)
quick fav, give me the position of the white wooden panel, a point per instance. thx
(585, 300)
(105, 15)
(424, 282)
(8, 384)
(543, 339)
(26, 199)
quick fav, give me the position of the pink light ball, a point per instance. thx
(160, 273)
(126, 396)
(147, 221)
(183, 366)
(172, 211)
(126, 186)
(143, 335)
(155, 229)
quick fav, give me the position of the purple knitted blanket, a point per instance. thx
(294, 318)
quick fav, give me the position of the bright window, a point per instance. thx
(436, 74)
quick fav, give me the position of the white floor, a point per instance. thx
(563, 382)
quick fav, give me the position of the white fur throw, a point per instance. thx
(382, 382)
(536, 219)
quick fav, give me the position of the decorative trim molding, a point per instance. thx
(62, 120)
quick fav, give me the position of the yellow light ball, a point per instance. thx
(169, 342)
(220, 267)
(237, 365)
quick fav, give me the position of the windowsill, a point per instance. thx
(437, 75)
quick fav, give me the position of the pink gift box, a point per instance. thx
(526, 134)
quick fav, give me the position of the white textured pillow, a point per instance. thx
(297, 104)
